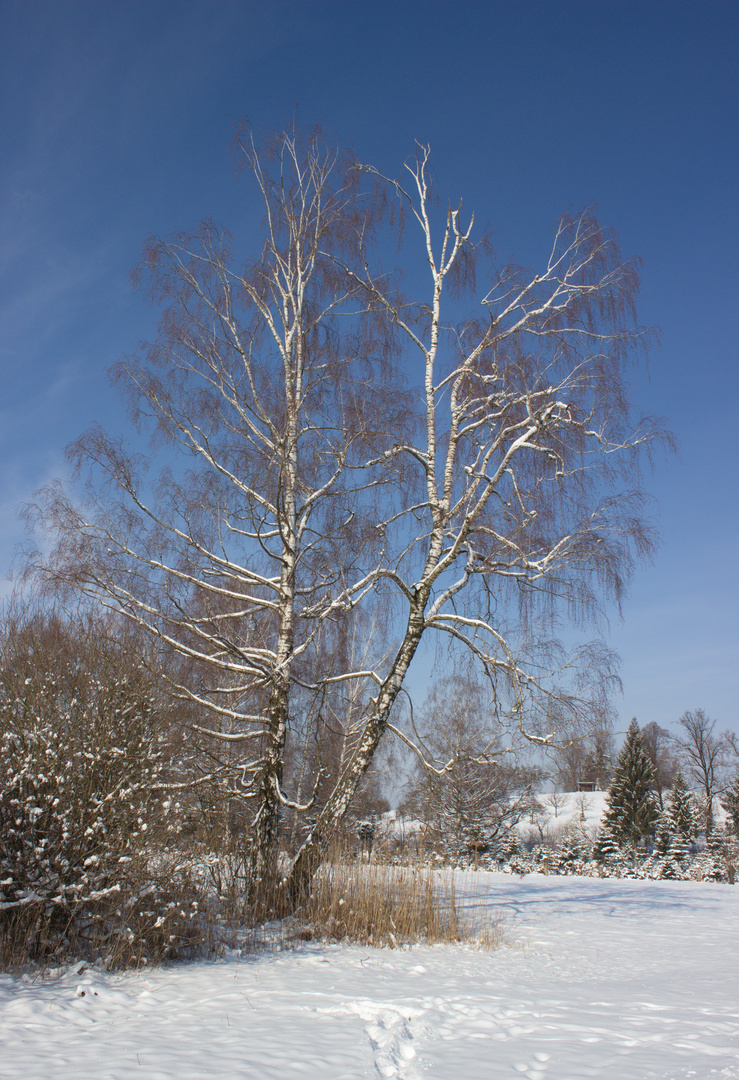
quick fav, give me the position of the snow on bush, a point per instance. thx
(83, 745)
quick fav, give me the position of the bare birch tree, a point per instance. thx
(498, 495)
(706, 756)
(472, 785)
(528, 505)
(267, 382)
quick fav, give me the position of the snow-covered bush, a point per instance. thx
(84, 743)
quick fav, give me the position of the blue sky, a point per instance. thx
(115, 119)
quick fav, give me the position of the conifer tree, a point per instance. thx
(682, 811)
(632, 808)
(572, 854)
(670, 843)
(664, 834)
(715, 857)
(671, 864)
(606, 850)
(730, 803)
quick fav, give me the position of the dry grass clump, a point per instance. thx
(392, 906)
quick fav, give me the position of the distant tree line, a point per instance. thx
(660, 800)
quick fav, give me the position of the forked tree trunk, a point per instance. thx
(313, 851)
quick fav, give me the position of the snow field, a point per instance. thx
(608, 978)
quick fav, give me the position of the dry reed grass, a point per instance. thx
(391, 906)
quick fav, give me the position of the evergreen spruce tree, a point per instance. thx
(606, 850)
(676, 853)
(715, 857)
(669, 845)
(670, 866)
(572, 855)
(682, 812)
(664, 834)
(508, 846)
(632, 807)
(730, 803)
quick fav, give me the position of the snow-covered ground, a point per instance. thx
(621, 979)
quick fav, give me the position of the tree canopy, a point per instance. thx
(340, 443)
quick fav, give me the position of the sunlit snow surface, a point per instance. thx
(619, 979)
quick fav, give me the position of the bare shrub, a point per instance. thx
(152, 915)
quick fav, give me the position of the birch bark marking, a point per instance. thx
(311, 854)
(288, 285)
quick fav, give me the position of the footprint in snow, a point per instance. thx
(392, 1038)
(535, 1070)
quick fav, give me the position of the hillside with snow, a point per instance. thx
(565, 811)
(562, 811)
